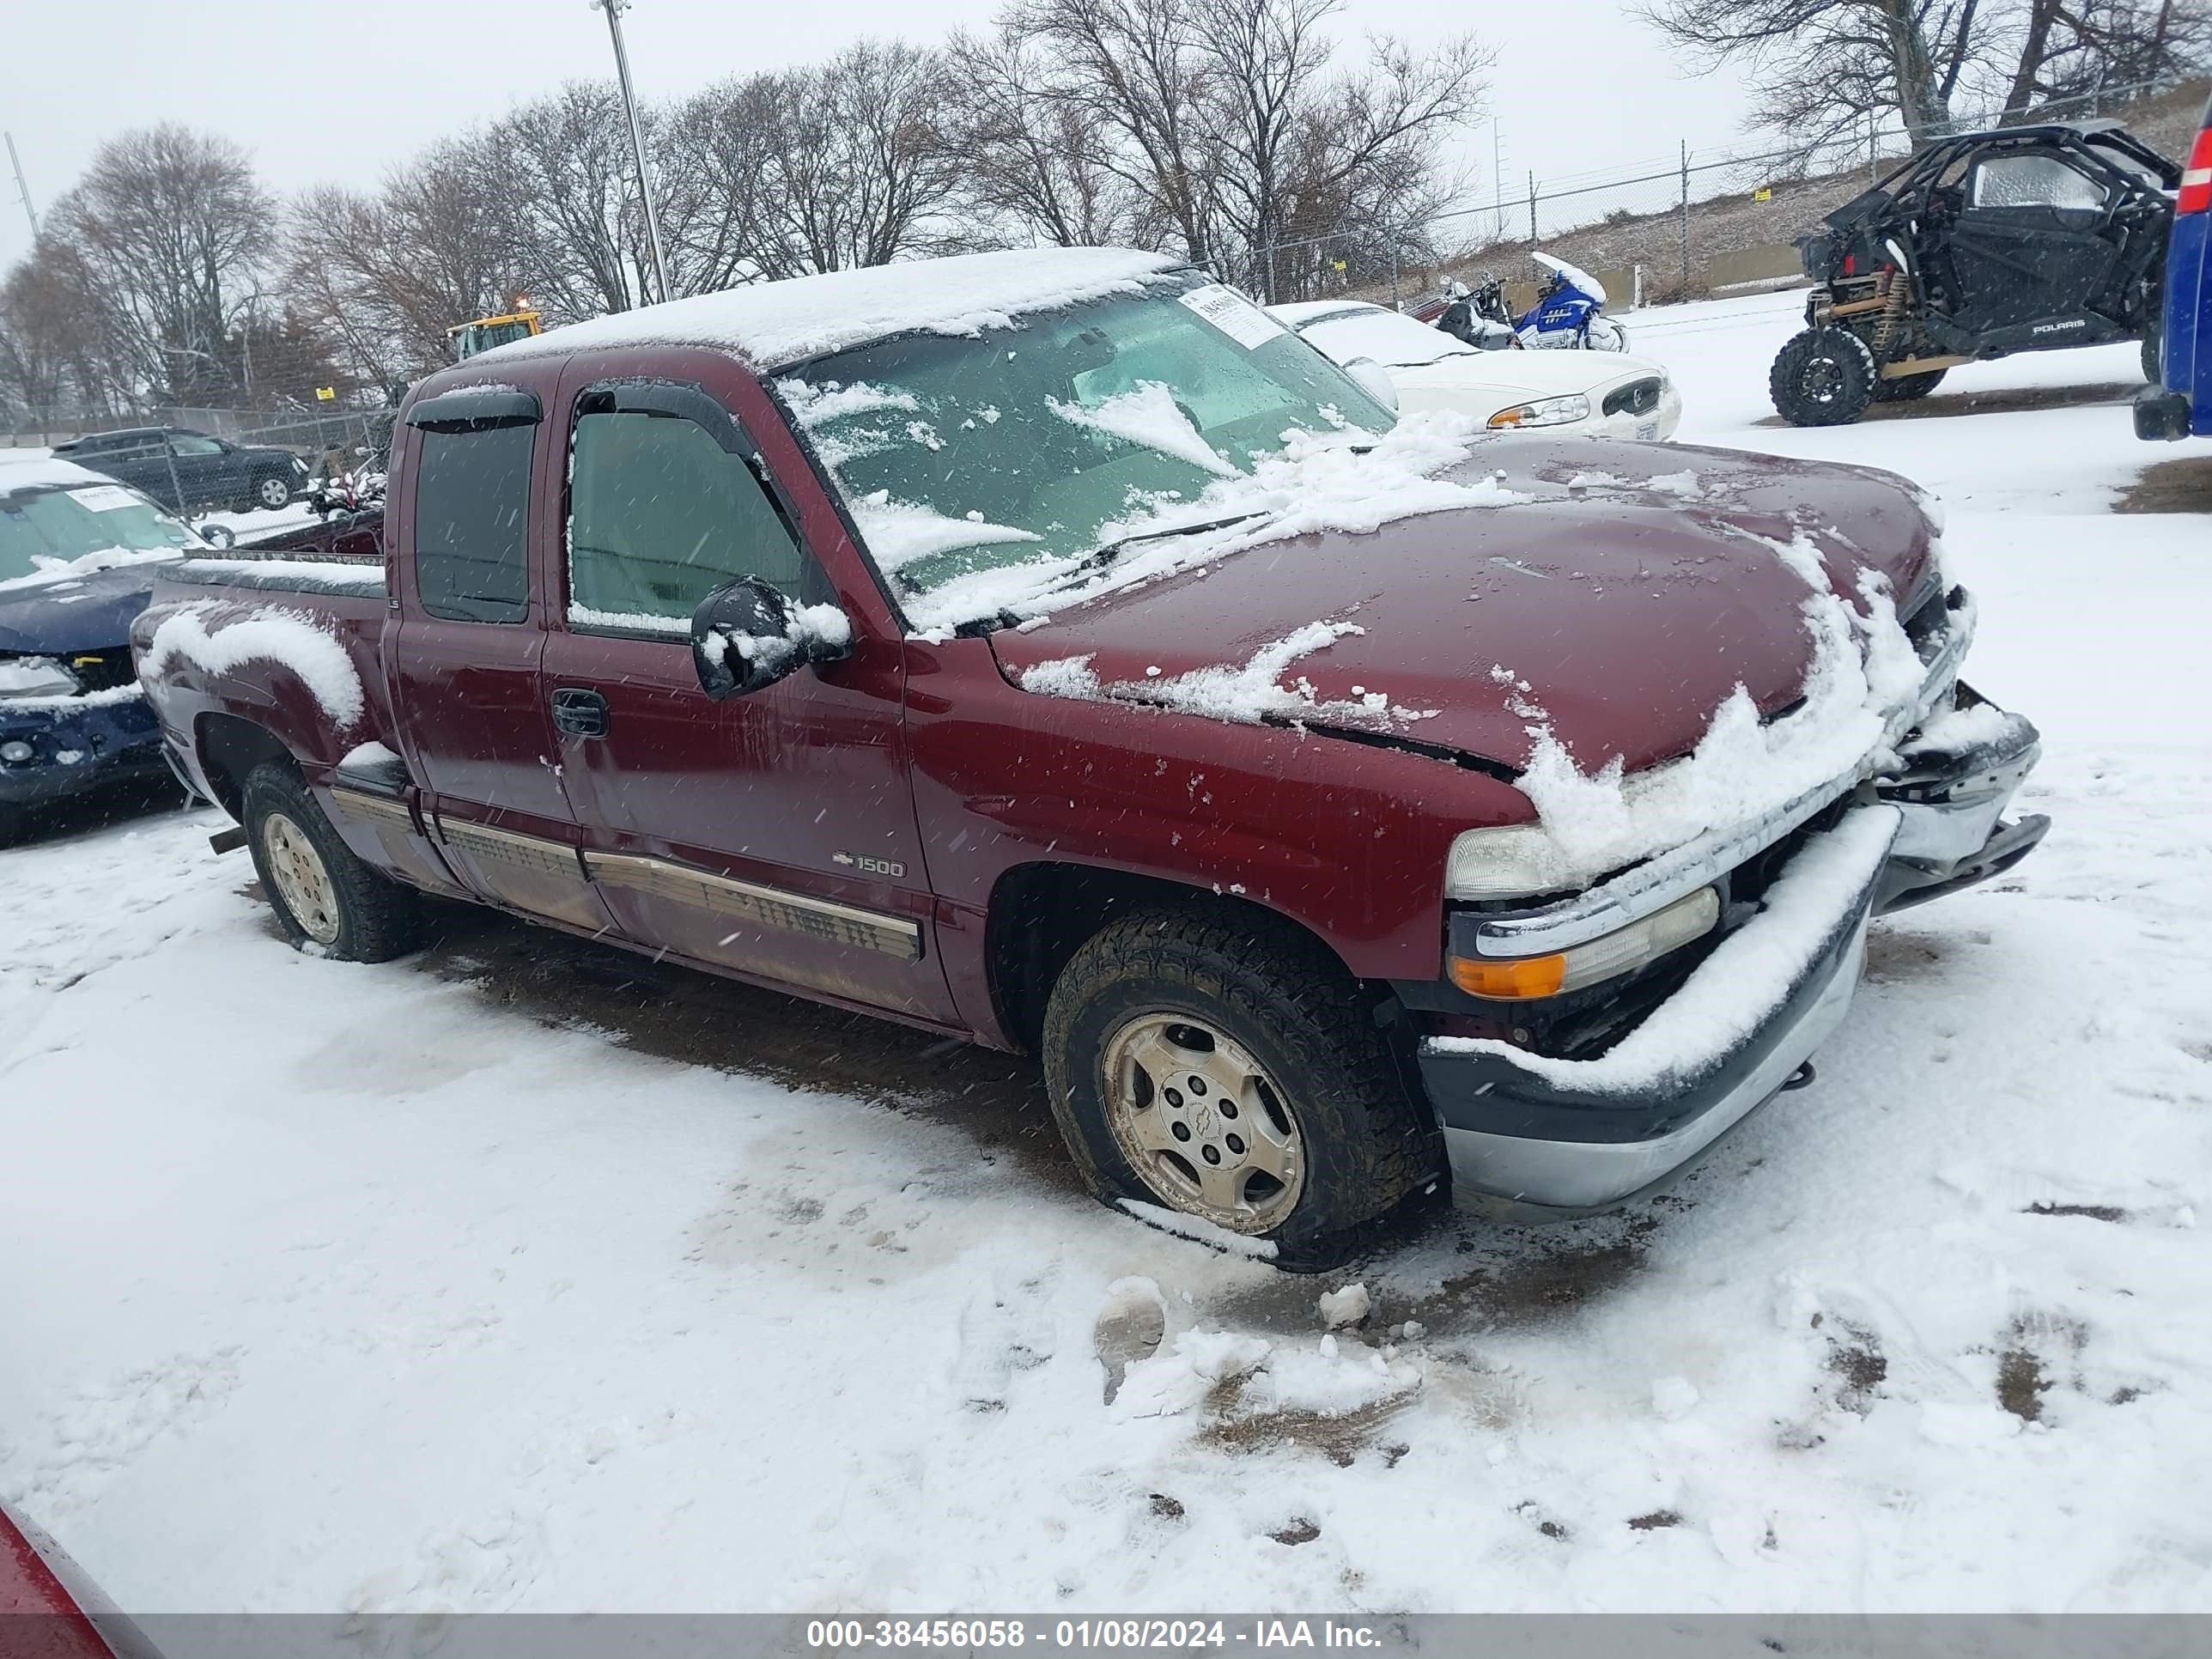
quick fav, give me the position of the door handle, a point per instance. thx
(580, 711)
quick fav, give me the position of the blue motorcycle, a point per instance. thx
(1569, 312)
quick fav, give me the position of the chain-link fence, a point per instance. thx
(307, 432)
(1703, 224)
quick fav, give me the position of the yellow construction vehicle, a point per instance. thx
(469, 339)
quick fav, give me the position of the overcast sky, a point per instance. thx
(339, 93)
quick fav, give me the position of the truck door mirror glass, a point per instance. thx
(745, 637)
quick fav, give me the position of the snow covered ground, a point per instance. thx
(405, 1288)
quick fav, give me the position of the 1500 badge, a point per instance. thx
(868, 866)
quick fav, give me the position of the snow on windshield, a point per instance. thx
(985, 475)
(1149, 416)
(1390, 337)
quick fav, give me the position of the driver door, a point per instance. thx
(2029, 245)
(771, 834)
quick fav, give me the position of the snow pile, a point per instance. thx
(292, 639)
(1245, 693)
(1345, 1307)
(772, 323)
(1333, 1376)
(1148, 417)
(899, 532)
(1736, 989)
(1349, 483)
(586, 615)
(1178, 1377)
(1956, 729)
(1860, 694)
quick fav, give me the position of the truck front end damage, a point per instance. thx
(1583, 1050)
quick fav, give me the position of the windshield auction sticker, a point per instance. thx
(1234, 315)
(106, 498)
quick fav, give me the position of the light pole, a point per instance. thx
(614, 9)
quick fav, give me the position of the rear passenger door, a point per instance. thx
(463, 650)
(772, 833)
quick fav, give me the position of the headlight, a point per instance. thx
(1545, 411)
(1517, 979)
(1515, 862)
(36, 677)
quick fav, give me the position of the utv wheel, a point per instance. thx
(327, 901)
(272, 493)
(1230, 1071)
(1909, 388)
(1825, 377)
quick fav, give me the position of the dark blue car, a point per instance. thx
(78, 555)
(2182, 406)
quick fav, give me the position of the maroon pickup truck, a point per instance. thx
(1048, 649)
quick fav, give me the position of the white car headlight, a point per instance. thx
(1545, 411)
(1517, 861)
(36, 677)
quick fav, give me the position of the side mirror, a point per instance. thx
(1374, 381)
(745, 637)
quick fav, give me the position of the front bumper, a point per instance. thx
(78, 743)
(1584, 1135)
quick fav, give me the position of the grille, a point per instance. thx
(103, 670)
(1637, 397)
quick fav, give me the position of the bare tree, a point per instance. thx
(170, 228)
(385, 276)
(1821, 67)
(563, 163)
(58, 351)
(1040, 163)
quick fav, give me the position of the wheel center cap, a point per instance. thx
(1202, 1120)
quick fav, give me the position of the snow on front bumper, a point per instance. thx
(1581, 1134)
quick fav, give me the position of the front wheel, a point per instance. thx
(1606, 335)
(327, 901)
(1230, 1071)
(1824, 377)
(273, 493)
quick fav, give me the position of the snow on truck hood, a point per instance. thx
(1604, 610)
(773, 324)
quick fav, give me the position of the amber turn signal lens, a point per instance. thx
(1507, 980)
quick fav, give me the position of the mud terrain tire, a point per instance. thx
(1824, 377)
(1263, 991)
(1908, 389)
(328, 901)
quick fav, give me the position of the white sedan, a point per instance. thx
(1606, 393)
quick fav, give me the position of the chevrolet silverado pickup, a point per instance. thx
(1051, 650)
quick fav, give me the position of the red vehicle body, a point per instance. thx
(49, 1610)
(900, 827)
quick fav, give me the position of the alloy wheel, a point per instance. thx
(1202, 1123)
(302, 882)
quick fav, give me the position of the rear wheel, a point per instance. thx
(328, 901)
(273, 492)
(1908, 388)
(1824, 377)
(1228, 1069)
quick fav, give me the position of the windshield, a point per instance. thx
(1038, 443)
(1390, 337)
(44, 530)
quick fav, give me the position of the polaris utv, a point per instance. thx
(2024, 238)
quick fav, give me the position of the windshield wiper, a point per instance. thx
(1106, 555)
